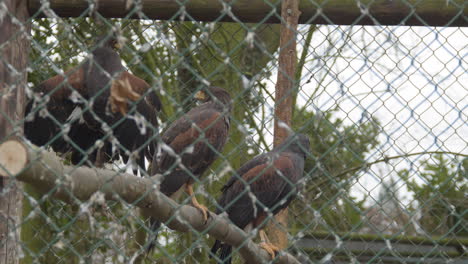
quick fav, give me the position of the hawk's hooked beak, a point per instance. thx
(117, 46)
(200, 95)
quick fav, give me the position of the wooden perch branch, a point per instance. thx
(45, 171)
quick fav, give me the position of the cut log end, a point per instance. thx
(13, 158)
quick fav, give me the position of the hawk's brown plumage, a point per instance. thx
(192, 143)
(271, 178)
(72, 119)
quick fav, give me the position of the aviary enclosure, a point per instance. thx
(337, 131)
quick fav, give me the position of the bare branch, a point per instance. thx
(46, 172)
(386, 159)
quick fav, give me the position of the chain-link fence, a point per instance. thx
(116, 100)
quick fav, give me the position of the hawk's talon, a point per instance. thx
(204, 210)
(270, 248)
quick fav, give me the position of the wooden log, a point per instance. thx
(12, 157)
(46, 172)
(337, 12)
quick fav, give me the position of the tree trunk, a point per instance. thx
(284, 93)
(14, 49)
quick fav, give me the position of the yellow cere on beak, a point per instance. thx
(117, 46)
(200, 95)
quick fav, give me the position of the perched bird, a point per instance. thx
(190, 145)
(70, 112)
(266, 184)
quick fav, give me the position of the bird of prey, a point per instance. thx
(190, 145)
(85, 110)
(262, 187)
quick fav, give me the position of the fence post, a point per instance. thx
(283, 100)
(14, 49)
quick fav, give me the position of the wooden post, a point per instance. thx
(283, 100)
(14, 47)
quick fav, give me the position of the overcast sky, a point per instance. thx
(413, 79)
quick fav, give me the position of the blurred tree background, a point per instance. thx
(439, 195)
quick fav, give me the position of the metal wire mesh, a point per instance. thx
(384, 108)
